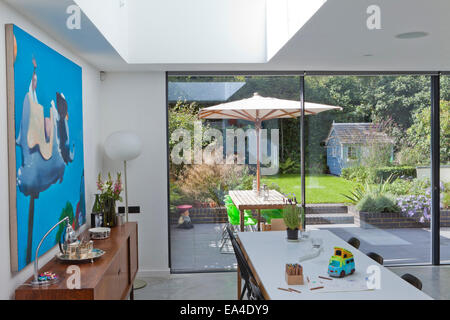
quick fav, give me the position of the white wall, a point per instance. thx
(91, 114)
(136, 102)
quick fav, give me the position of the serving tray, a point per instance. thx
(94, 254)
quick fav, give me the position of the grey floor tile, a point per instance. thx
(195, 286)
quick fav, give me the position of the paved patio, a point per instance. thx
(197, 249)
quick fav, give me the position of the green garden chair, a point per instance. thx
(269, 214)
(250, 223)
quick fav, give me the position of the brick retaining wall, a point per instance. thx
(203, 215)
(380, 220)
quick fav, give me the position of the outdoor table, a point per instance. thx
(248, 200)
(268, 252)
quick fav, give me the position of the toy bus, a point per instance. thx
(341, 263)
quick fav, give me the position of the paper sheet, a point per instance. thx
(336, 284)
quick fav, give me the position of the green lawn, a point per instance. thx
(320, 188)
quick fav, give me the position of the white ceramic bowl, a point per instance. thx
(99, 233)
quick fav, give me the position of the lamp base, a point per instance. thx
(43, 283)
(139, 284)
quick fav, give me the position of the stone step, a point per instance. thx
(326, 208)
(329, 218)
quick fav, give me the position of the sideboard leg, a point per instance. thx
(132, 293)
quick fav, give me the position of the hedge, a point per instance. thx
(383, 173)
(377, 175)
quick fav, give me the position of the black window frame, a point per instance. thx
(435, 131)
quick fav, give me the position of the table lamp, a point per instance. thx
(123, 146)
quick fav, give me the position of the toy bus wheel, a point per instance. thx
(353, 271)
(342, 274)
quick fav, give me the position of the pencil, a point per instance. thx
(316, 288)
(284, 289)
(325, 278)
(290, 289)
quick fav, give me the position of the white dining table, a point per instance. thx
(268, 253)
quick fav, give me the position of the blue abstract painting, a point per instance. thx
(49, 160)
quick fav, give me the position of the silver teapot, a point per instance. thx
(70, 239)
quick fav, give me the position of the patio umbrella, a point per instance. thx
(257, 109)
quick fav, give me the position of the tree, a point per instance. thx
(419, 136)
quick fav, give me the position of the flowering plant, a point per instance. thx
(110, 188)
(418, 204)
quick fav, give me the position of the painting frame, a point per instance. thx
(55, 145)
(10, 106)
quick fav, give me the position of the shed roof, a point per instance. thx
(358, 133)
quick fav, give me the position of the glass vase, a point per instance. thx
(109, 213)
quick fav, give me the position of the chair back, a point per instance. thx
(244, 269)
(255, 292)
(412, 280)
(376, 257)
(354, 242)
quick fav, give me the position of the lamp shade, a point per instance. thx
(123, 145)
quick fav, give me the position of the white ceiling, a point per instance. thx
(334, 39)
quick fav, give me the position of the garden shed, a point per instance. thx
(348, 142)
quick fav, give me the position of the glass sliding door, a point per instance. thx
(208, 158)
(368, 166)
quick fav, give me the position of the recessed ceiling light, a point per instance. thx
(412, 35)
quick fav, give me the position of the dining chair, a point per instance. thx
(256, 293)
(244, 269)
(354, 242)
(250, 283)
(412, 280)
(376, 257)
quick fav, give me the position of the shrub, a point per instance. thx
(419, 204)
(377, 175)
(446, 200)
(402, 187)
(358, 174)
(289, 166)
(377, 203)
(446, 196)
(382, 173)
(362, 190)
(212, 181)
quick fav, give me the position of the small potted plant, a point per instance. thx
(291, 217)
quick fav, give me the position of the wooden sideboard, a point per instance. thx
(110, 277)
